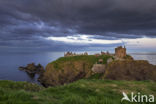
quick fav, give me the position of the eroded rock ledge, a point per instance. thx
(32, 68)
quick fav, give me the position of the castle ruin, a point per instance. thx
(120, 52)
(67, 54)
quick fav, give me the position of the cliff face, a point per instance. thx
(69, 69)
(130, 70)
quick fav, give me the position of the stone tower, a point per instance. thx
(120, 52)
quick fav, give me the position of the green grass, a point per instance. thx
(92, 59)
(91, 91)
(96, 76)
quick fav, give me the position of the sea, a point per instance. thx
(9, 63)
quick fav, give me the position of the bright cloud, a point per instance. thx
(138, 43)
(141, 42)
(83, 39)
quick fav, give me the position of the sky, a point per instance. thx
(77, 25)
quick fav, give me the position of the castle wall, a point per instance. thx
(74, 54)
(120, 52)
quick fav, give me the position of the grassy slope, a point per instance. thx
(84, 91)
(91, 91)
(91, 59)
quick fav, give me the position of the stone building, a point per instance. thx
(109, 60)
(67, 54)
(103, 53)
(98, 68)
(107, 53)
(120, 52)
(85, 53)
(97, 54)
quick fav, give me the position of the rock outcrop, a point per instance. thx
(32, 68)
(69, 69)
(68, 72)
(130, 70)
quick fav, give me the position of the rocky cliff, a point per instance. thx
(130, 70)
(69, 69)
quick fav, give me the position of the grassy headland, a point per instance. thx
(84, 91)
(68, 69)
(76, 83)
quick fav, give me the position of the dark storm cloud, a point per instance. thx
(28, 20)
(85, 16)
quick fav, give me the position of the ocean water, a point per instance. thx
(9, 63)
(151, 57)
